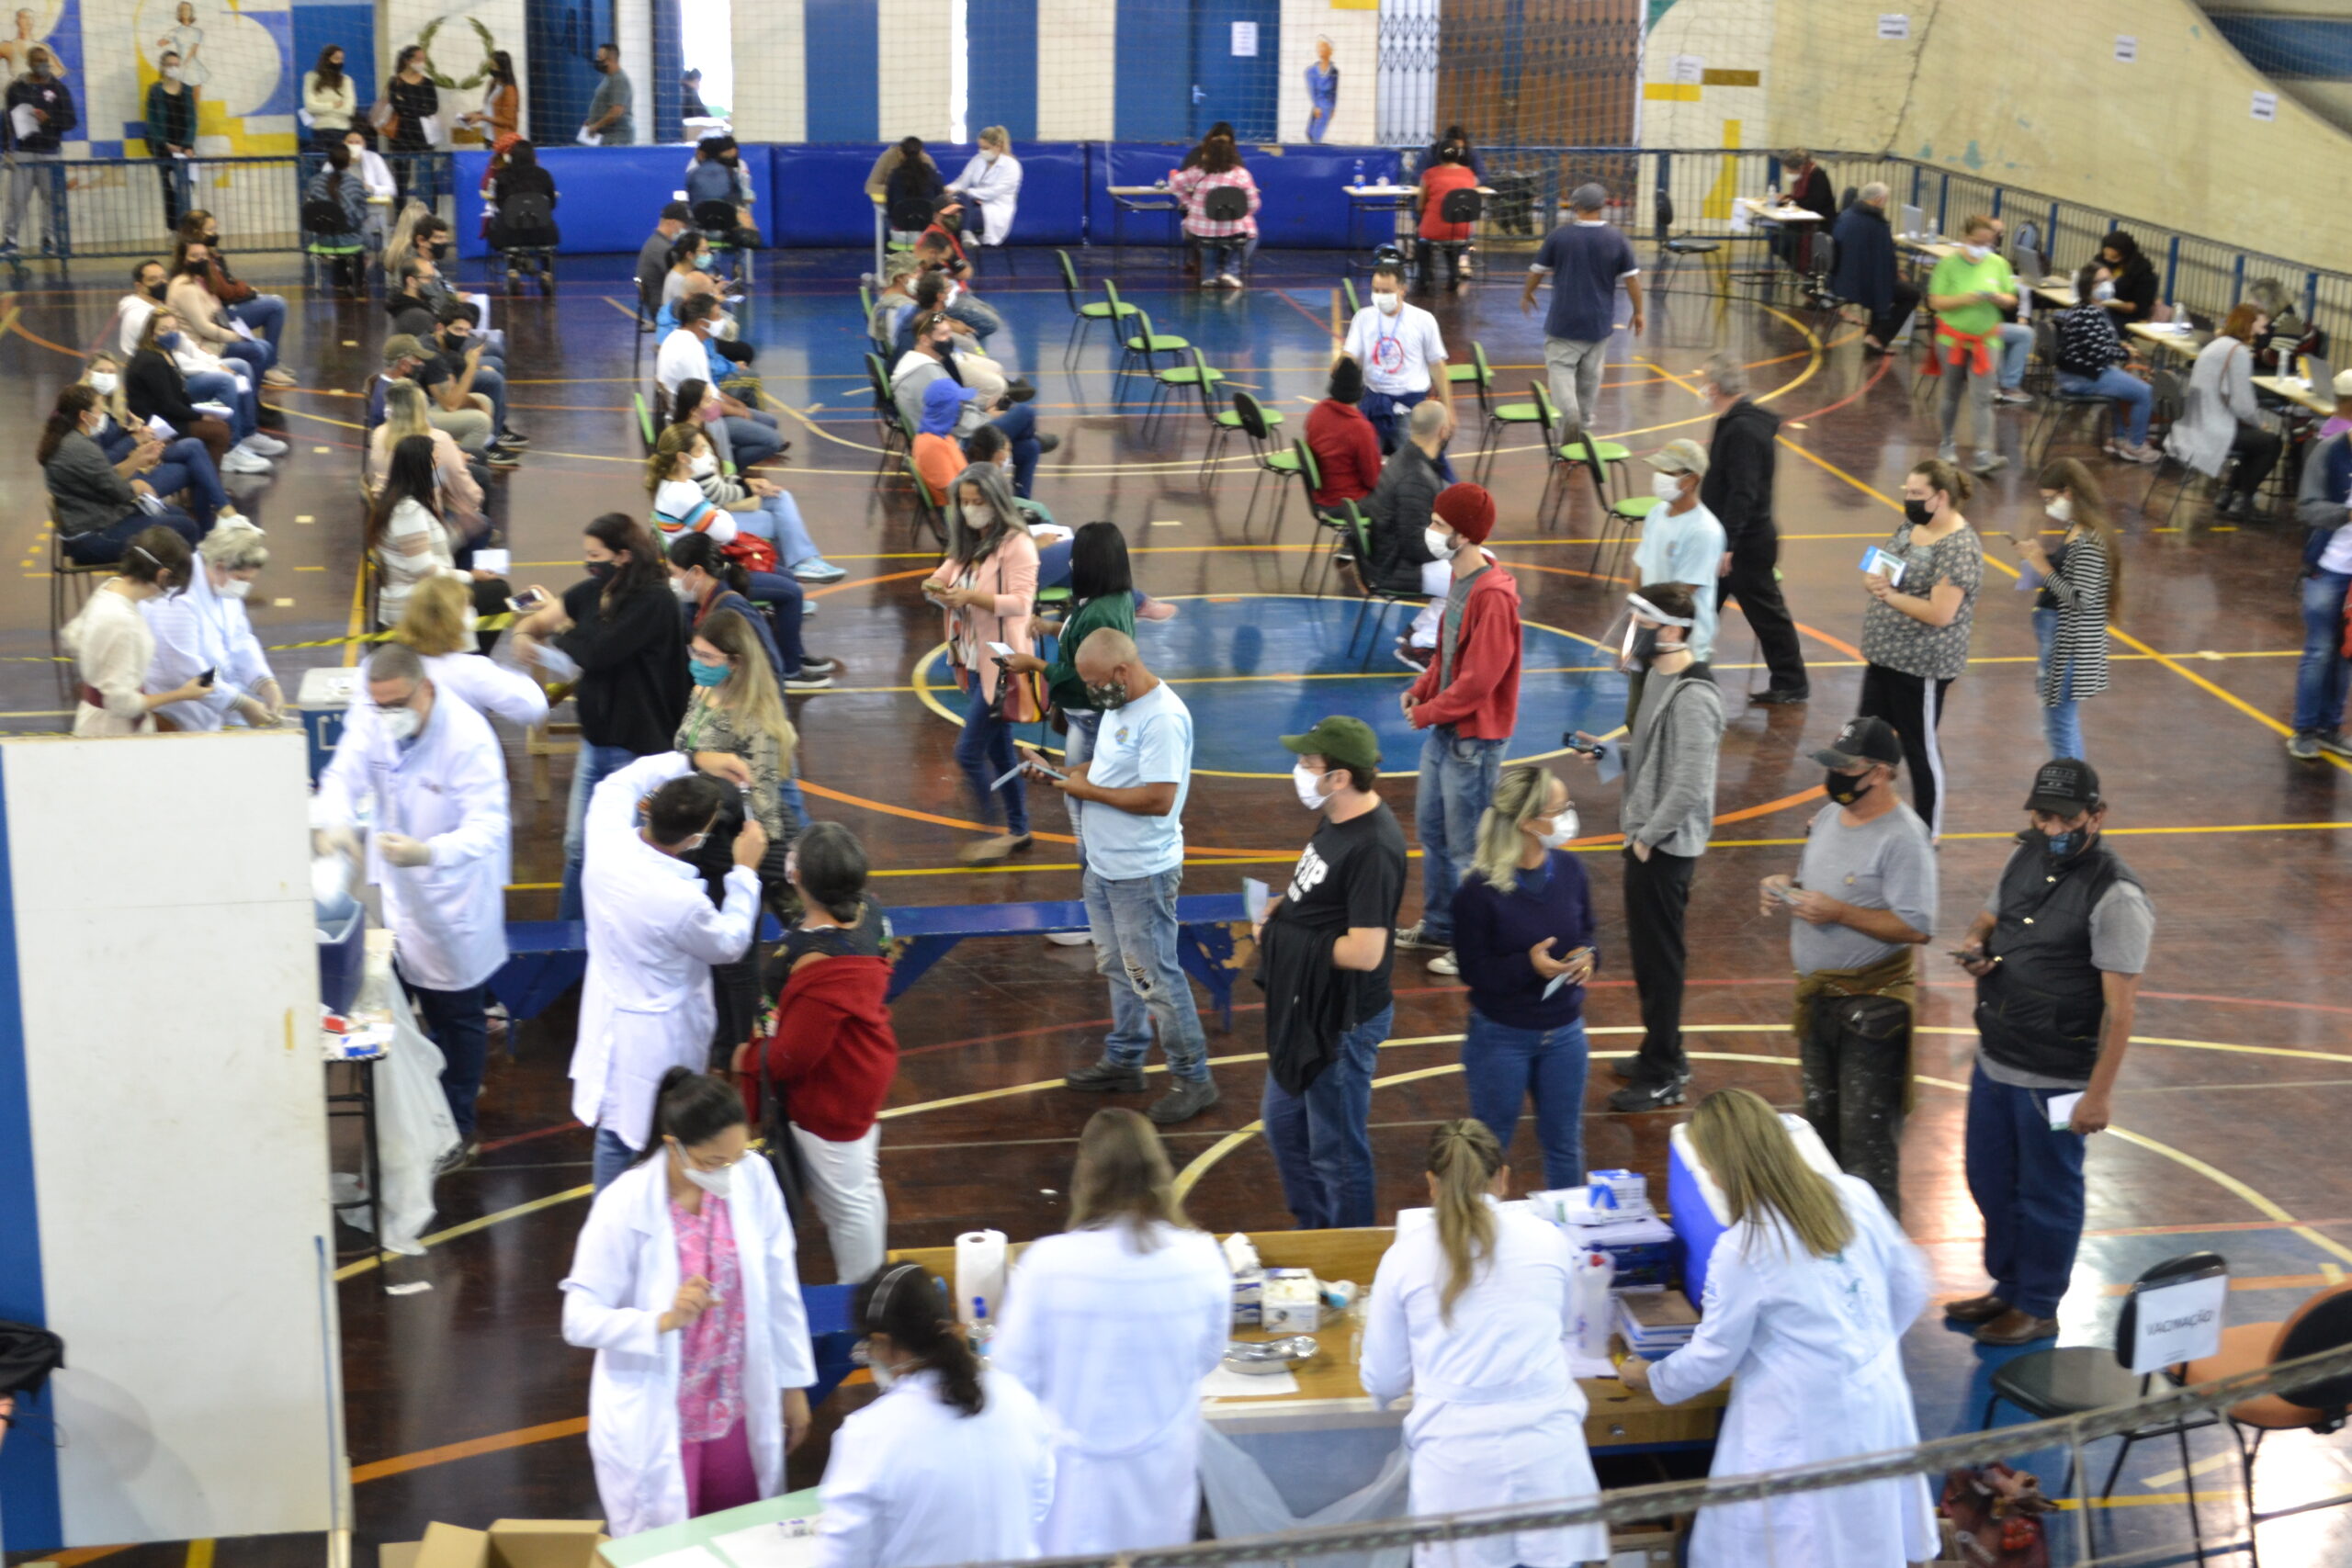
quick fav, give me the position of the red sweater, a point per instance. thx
(1437, 181)
(1346, 449)
(833, 1053)
(1482, 700)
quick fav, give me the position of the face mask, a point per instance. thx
(1108, 695)
(102, 382)
(1564, 828)
(988, 156)
(2062, 510)
(708, 675)
(702, 467)
(685, 590)
(168, 340)
(1645, 648)
(979, 514)
(1915, 512)
(1309, 786)
(885, 1377)
(2058, 846)
(1704, 393)
(600, 570)
(402, 724)
(235, 588)
(1667, 487)
(1389, 303)
(2103, 291)
(1845, 788)
(1441, 542)
(171, 73)
(719, 1183)
(1976, 252)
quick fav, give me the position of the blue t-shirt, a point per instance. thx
(1586, 261)
(1149, 741)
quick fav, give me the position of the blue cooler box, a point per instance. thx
(343, 959)
(1699, 1216)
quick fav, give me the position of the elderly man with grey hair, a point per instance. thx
(1865, 273)
(1738, 487)
(1586, 260)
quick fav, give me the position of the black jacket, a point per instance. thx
(171, 120)
(52, 98)
(153, 385)
(1865, 269)
(1398, 511)
(632, 658)
(1738, 484)
(2039, 1010)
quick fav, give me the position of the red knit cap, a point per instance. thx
(1468, 510)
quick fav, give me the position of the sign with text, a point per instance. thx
(2127, 49)
(1245, 40)
(2266, 107)
(1893, 28)
(2179, 1322)
(1689, 70)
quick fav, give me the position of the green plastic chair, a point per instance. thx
(1257, 425)
(1177, 378)
(1085, 314)
(1358, 535)
(1348, 287)
(1147, 342)
(644, 419)
(1501, 417)
(1474, 375)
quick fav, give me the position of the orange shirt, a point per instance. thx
(1436, 181)
(939, 458)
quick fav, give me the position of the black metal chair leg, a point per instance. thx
(2189, 1478)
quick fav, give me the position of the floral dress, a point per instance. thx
(710, 1376)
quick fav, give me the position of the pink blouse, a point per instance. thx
(711, 1379)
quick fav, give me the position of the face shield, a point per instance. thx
(1635, 642)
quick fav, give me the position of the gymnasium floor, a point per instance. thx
(464, 1404)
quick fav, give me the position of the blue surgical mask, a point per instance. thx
(168, 340)
(708, 675)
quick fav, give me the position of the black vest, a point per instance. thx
(2040, 1009)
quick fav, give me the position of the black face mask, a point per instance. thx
(2060, 848)
(1846, 788)
(1644, 646)
(1915, 512)
(602, 571)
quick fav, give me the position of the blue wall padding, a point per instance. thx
(608, 199)
(1302, 202)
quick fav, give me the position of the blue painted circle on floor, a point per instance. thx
(1253, 668)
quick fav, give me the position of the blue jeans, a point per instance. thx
(751, 438)
(491, 382)
(458, 1023)
(1229, 254)
(793, 544)
(256, 355)
(2026, 1179)
(785, 598)
(2323, 677)
(1019, 423)
(611, 1157)
(2017, 347)
(982, 318)
(985, 753)
(1457, 785)
(187, 464)
(1322, 1139)
(103, 546)
(2136, 396)
(218, 387)
(1388, 413)
(1133, 920)
(1502, 1065)
(266, 313)
(2062, 721)
(589, 767)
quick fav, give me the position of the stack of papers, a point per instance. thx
(1655, 1324)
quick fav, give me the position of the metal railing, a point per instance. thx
(97, 208)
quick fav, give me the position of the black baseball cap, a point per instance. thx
(2064, 787)
(677, 212)
(1862, 740)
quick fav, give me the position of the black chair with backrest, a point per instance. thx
(886, 413)
(2168, 400)
(525, 230)
(2061, 407)
(1465, 205)
(1671, 250)
(1226, 204)
(1278, 462)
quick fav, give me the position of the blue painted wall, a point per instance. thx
(349, 27)
(28, 1497)
(1001, 50)
(1153, 87)
(844, 45)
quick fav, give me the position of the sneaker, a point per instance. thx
(240, 461)
(1622, 1069)
(500, 458)
(1417, 936)
(1155, 610)
(458, 1158)
(265, 445)
(1443, 963)
(1774, 697)
(2011, 397)
(1185, 1099)
(1019, 390)
(2146, 452)
(1413, 658)
(806, 679)
(1988, 463)
(1205, 282)
(2332, 741)
(510, 436)
(1947, 453)
(1071, 939)
(1638, 1096)
(808, 608)
(817, 569)
(2303, 747)
(1228, 281)
(1048, 443)
(1105, 1077)
(989, 852)
(812, 665)
(278, 376)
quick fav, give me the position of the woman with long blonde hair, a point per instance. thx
(1523, 943)
(1808, 1293)
(736, 711)
(440, 622)
(1113, 1325)
(1471, 1313)
(406, 415)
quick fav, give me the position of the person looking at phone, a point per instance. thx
(1523, 937)
(1864, 897)
(2057, 952)
(1914, 632)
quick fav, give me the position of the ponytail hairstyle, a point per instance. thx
(1948, 477)
(2090, 515)
(73, 400)
(1463, 1158)
(908, 1302)
(1521, 794)
(828, 863)
(661, 464)
(1122, 1174)
(693, 1108)
(691, 550)
(1742, 1142)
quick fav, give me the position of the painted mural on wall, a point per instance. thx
(235, 57)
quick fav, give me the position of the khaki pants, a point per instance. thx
(468, 427)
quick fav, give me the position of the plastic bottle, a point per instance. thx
(1359, 181)
(982, 1334)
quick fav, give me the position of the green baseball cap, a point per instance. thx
(1347, 741)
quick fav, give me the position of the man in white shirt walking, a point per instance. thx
(1403, 355)
(653, 936)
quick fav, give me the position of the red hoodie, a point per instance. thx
(833, 1051)
(1482, 702)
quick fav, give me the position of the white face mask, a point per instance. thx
(103, 382)
(2103, 291)
(1389, 303)
(402, 724)
(702, 467)
(979, 514)
(1441, 542)
(1309, 786)
(720, 1183)
(1564, 828)
(1976, 252)
(1667, 487)
(885, 1376)
(2062, 510)
(235, 588)
(683, 590)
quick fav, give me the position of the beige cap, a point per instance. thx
(1683, 457)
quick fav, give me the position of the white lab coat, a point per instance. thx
(653, 936)
(1497, 1420)
(1114, 1343)
(624, 1276)
(997, 188)
(198, 630)
(448, 789)
(489, 688)
(914, 1483)
(1814, 1345)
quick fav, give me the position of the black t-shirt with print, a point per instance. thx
(1351, 876)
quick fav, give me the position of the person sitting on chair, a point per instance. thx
(337, 185)
(717, 178)
(525, 197)
(1451, 173)
(1865, 272)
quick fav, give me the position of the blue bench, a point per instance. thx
(1204, 945)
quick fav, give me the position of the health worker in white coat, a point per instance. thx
(1473, 1311)
(425, 773)
(439, 623)
(991, 182)
(653, 936)
(954, 1463)
(1113, 1325)
(206, 628)
(684, 1282)
(1808, 1293)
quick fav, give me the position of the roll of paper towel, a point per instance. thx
(1595, 1272)
(980, 1271)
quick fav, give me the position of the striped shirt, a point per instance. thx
(2077, 589)
(680, 507)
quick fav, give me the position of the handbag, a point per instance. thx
(381, 114)
(1995, 1512)
(751, 552)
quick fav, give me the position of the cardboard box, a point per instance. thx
(1291, 1302)
(508, 1543)
(1644, 1546)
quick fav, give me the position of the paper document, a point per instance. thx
(685, 1557)
(783, 1543)
(1884, 565)
(1610, 762)
(559, 665)
(1255, 897)
(1227, 1383)
(153, 506)
(589, 139)
(217, 410)
(1557, 981)
(240, 328)
(494, 561)
(2062, 1111)
(163, 432)
(23, 120)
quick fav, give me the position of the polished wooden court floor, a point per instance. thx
(465, 1404)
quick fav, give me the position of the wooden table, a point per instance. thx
(1781, 214)
(2179, 340)
(2058, 296)
(1142, 199)
(1328, 1387)
(2295, 389)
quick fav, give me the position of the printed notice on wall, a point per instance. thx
(2127, 49)
(1245, 40)
(2266, 106)
(1893, 26)
(1689, 70)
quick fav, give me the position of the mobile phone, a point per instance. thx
(1568, 739)
(1002, 651)
(205, 679)
(528, 601)
(1785, 895)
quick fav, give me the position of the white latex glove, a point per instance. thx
(399, 849)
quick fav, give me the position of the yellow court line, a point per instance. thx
(199, 1553)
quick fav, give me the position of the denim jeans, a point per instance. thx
(1019, 423)
(1077, 746)
(458, 1023)
(611, 1157)
(218, 387)
(1501, 1067)
(1228, 254)
(103, 546)
(1133, 920)
(491, 382)
(2017, 347)
(982, 318)
(253, 355)
(750, 439)
(1457, 785)
(1961, 382)
(2322, 677)
(782, 513)
(1322, 1139)
(785, 598)
(2136, 396)
(2062, 721)
(266, 313)
(1388, 413)
(2026, 1179)
(188, 464)
(985, 753)
(589, 767)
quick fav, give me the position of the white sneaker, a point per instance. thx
(240, 461)
(817, 569)
(1443, 963)
(808, 608)
(262, 445)
(1229, 281)
(1071, 939)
